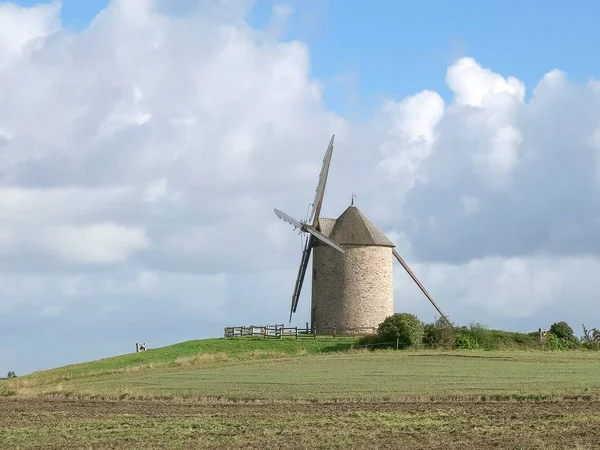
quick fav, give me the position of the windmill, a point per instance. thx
(311, 228)
(352, 265)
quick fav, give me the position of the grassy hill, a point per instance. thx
(184, 354)
(308, 370)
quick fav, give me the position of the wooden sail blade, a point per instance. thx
(301, 272)
(416, 280)
(324, 238)
(320, 192)
(287, 218)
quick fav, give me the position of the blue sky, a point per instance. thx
(401, 47)
(395, 48)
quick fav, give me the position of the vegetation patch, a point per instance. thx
(405, 331)
(57, 424)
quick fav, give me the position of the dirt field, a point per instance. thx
(66, 424)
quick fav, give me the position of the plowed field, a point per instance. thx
(99, 424)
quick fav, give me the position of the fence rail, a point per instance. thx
(279, 331)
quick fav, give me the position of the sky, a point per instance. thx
(145, 143)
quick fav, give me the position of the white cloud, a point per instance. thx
(21, 28)
(540, 289)
(409, 130)
(140, 160)
(476, 86)
(102, 243)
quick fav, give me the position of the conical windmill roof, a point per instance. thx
(353, 228)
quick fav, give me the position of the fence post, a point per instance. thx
(282, 330)
(334, 331)
(306, 327)
(397, 343)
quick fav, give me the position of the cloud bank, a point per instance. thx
(141, 157)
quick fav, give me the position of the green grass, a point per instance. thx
(231, 348)
(185, 354)
(307, 370)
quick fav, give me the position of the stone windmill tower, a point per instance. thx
(352, 285)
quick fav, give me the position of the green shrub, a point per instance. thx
(429, 335)
(445, 335)
(554, 342)
(368, 341)
(482, 336)
(478, 336)
(562, 330)
(561, 337)
(439, 334)
(590, 339)
(466, 342)
(404, 327)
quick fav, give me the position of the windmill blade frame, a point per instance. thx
(301, 273)
(320, 191)
(416, 280)
(320, 236)
(289, 219)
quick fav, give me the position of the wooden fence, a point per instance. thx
(280, 331)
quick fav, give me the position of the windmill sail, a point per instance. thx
(320, 236)
(320, 192)
(310, 226)
(307, 228)
(289, 219)
(301, 272)
(416, 280)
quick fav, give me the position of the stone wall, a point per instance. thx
(351, 290)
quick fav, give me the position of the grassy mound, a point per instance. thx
(187, 353)
(271, 375)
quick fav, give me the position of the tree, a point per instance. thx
(563, 334)
(405, 327)
(562, 330)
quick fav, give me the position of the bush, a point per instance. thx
(464, 341)
(445, 334)
(554, 342)
(439, 334)
(482, 336)
(562, 330)
(368, 341)
(405, 327)
(429, 335)
(478, 336)
(591, 338)
(561, 337)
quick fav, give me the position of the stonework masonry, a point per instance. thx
(352, 289)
